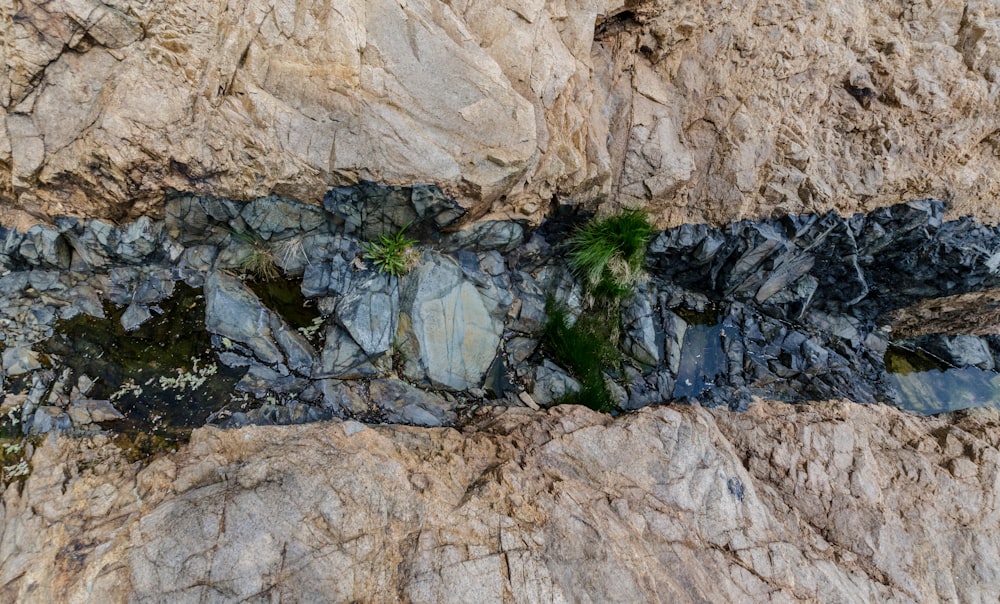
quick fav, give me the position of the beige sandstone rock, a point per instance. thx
(830, 502)
(698, 110)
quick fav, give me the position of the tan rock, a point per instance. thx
(700, 111)
(824, 502)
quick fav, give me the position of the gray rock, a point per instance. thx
(45, 247)
(339, 396)
(234, 312)
(49, 419)
(87, 411)
(640, 339)
(402, 403)
(342, 357)
(369, 210)
(451, 326)
(369, 311)
(674, 328)
(93, 244)
(20, 359)
(960, 351)
(552, 382)
(13, 283)
(485, 236)
(153, 286)
(139, 240)
(134, 316)
(271, 216)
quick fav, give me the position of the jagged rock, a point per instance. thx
(139, 240)
(959, 351)
(484, 236)
(450, 325)
(271, 217)
(86, 411)
(340, 397)
(552, 383)
(369, 311)
(232, 311)
(45, 247)
(370, 210)
(640, 337)
(18, 360)
(404, 404)
(791, 503)
(342, 357)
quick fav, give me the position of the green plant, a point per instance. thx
(608, 254)
(586, 351)
(391, 253)
(259, 261)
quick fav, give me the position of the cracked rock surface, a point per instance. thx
(701, 111)
(832, 502)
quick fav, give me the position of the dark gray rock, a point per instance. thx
(342, 357)
(232, 311)
(340, 397)
(273, 217)
(138, 241)
(45, 247)
(402, 403)
(369, 210)
(552, 383)
(640, 339)
(489, 235)
(369, 311)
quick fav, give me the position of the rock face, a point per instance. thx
(699, 110)
(831, 502)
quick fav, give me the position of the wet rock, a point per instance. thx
(134, 316)
(369, 311)
(452, 327)
(86, 411)
(552, 383)
(958, 351)
(531, 316)
(674, 328)
(402, 403)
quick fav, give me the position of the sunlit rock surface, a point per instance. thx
(831, 502)
(699, 110)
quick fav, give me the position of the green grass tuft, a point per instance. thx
(391, 253)
(585, 351)
(608, 254)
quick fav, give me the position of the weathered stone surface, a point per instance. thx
(806, 503)
(232, 311)
(552, 383)
(451, 326)
(369, 311)
(404, 404)
(702, 111)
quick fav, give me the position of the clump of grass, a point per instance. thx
(391, 253)
(585, 350)
(259, 263)
(608, 254)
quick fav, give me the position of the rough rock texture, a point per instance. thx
(700, 110)
(829, 502)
